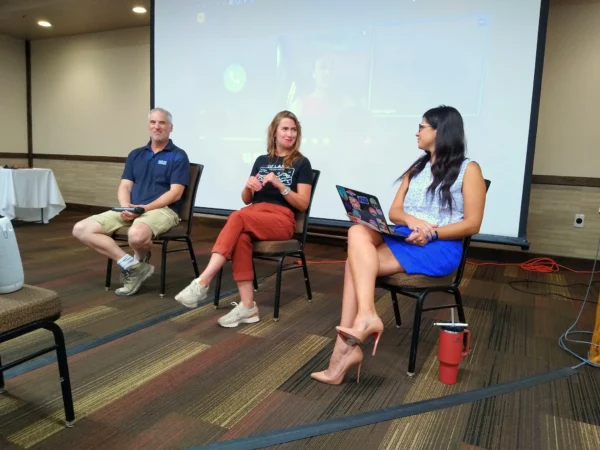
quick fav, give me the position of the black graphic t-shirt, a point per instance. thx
(300, 172)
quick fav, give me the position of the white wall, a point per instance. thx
(13, 96)
(91, 93)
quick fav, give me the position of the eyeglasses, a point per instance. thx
(421, 126)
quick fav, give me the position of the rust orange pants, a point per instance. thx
(260, 221)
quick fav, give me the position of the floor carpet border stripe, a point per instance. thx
(300, 432)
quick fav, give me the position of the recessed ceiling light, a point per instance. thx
(139, 10)
(44, 23)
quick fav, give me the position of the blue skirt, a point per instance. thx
(435, 259)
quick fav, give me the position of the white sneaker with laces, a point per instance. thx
(239, 314)
(192, 294)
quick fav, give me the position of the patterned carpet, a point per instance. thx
(184, 381)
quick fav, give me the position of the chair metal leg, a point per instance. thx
(396, 309)
(461, 312)
(414, 343)
(255, 279)
(218, 288)
(108, 274)
(63, 369)
(1, 378)
(278, 288)
(459, 306)
(192, 256)
(306, 279)
(163, 268)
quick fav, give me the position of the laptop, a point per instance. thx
(365, 209)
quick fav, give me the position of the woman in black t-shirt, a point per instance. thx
(279, 186)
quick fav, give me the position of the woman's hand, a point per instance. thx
(420, 225)
(417, 238)
(272, 178)
(253, 184)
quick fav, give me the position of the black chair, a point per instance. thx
(418, 287)
(279, 250)
(30, 309)
(179, 233)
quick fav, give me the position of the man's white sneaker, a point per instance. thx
(239, 314)
(192, 294)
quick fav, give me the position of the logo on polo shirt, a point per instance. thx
(162, 162)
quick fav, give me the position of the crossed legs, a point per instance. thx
(368, 258)
(89, 232)
(262, 221)
(135, 270)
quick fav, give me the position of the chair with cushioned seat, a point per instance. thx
(179, 233)
(279, 250)
(30, 309)
(418, 287)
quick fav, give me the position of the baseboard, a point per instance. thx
(565, 181)
(89, 209)
(515, 256)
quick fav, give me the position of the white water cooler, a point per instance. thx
(11, 267)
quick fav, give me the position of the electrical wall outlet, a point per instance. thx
(579, 219)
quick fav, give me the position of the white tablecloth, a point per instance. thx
(26, 194)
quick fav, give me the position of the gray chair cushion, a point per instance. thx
(415, 281)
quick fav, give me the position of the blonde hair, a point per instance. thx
(294, 155)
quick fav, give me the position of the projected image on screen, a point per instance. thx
(359, 75)
(326, 74)
(232, 77)
(456, 73)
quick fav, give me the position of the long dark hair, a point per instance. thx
(450, 149)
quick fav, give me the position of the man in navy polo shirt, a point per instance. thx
(154, 178)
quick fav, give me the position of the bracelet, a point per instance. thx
(286, 191)
(435, 235)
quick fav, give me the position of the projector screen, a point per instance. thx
(359, 74)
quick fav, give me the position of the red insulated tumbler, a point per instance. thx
(451, 351)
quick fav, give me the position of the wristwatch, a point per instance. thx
(286, 191)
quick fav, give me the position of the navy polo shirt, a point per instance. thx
(153, 174)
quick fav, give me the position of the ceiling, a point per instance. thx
(18, 18)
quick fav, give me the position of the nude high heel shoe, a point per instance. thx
(354, 336)
(355, 357)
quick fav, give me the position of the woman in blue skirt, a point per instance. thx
(440, 201)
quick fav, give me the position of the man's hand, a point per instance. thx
(127, 216)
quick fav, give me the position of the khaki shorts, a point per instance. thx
(158, 220)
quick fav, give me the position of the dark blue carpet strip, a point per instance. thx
(51, 357)
(296, 433)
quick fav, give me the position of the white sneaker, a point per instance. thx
(192, 294)
(239, 314)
